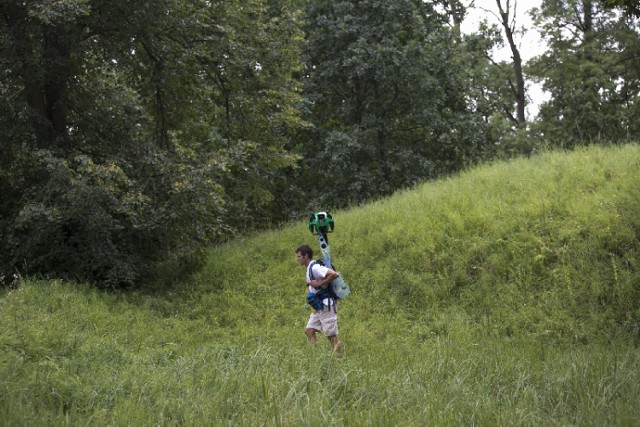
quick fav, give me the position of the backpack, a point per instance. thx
(338, 289)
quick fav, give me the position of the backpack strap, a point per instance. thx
(311, 270)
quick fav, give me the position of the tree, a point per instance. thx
(507, 20)
(490, 99)
(496, 89)
(386, 98)
(457, 11)
(588, 72)
(509, 78)
(136, 131)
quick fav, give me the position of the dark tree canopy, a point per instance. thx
(632, 7)
(136, 134)
(591, 73)
(386, 97)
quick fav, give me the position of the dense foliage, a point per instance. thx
(591, 72)
(136, 134)
(387, 98)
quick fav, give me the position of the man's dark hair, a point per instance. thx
(305, 250)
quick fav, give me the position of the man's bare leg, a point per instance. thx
(311, 335)
(337, 345)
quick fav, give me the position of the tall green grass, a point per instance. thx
(507, 295)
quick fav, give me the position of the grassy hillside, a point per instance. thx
(507, 295)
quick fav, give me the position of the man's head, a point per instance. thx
(304, 254)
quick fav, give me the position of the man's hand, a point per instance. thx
(315, 283)
(321, 283)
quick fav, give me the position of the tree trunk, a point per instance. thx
(45, 67)
(456, 11)
(518, 89)
(58, 70)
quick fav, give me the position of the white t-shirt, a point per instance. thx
(319, 272)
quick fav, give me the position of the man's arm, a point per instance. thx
(328, 278)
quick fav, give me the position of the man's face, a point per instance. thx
(302, 259)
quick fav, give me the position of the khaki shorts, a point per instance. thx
(325, 321)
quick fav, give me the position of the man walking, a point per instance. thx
(325, 316)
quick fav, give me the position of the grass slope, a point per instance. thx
(507, 295)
